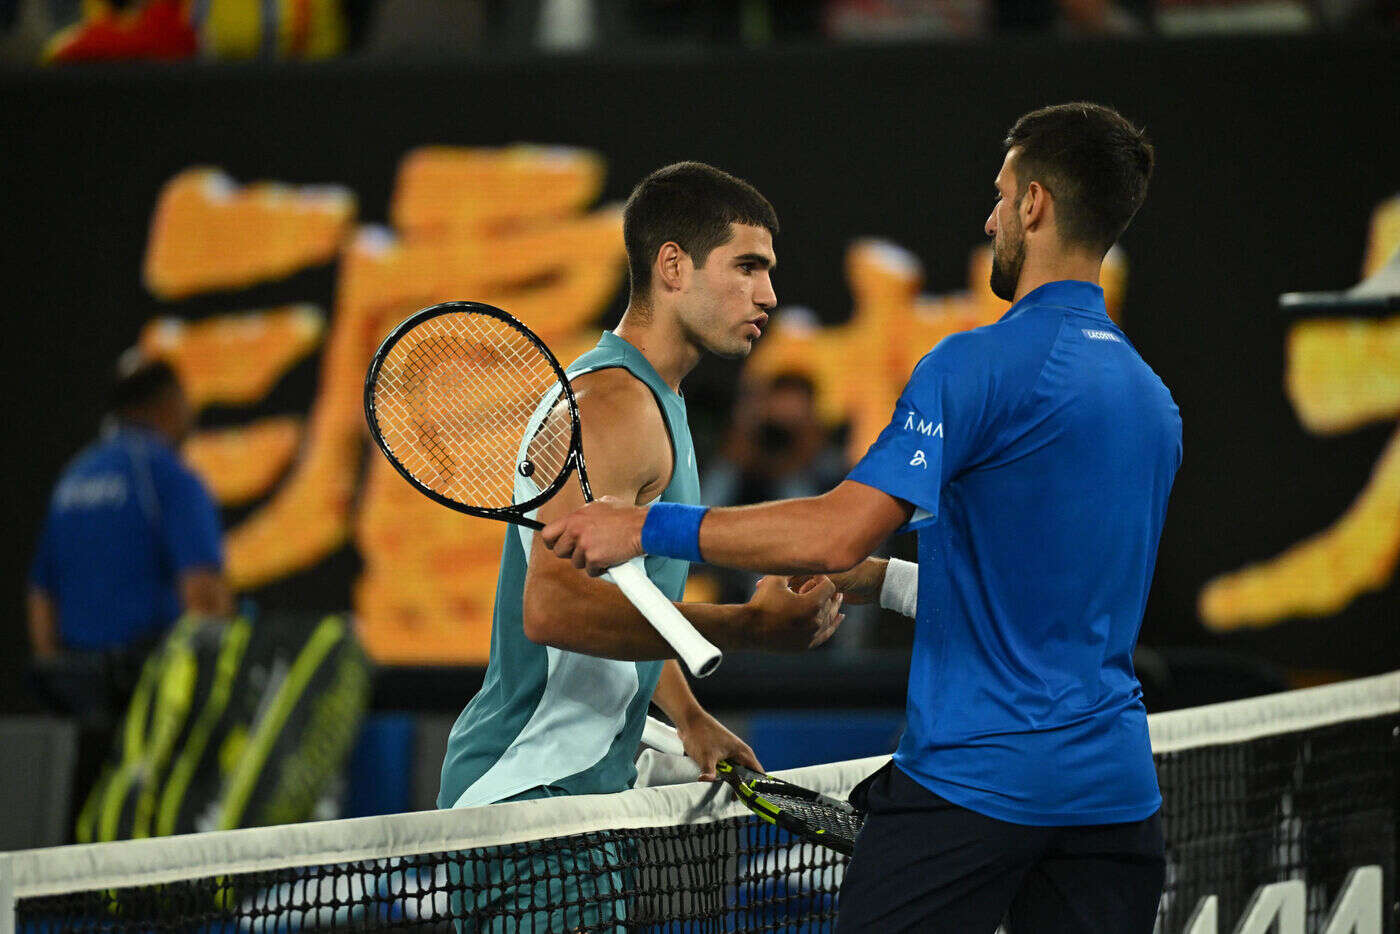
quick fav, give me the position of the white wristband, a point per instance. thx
(900, 591)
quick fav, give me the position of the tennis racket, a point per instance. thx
(474, 411)
(801, 811)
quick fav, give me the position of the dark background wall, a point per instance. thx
(1272, 154)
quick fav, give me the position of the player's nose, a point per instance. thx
(990, 227)
(764, 296)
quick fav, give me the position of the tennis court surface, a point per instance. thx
(1298, 788)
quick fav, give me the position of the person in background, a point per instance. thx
(776, 447)
(131, 542)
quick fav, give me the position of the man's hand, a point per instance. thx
(601, 535)
(784, 618)
(707, 741)
(861, 584)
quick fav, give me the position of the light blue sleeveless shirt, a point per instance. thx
(548, 721)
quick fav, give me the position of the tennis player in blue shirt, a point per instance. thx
(1034, 458)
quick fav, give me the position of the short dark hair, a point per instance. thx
(692, 205)
(1094, 162)
(141, 381)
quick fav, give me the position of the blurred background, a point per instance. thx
(254, 193)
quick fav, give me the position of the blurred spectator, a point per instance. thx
(153, 29)
(108, 30)
(776, 447)
(130, 543)
(123, 30)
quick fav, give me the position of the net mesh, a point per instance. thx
(457, 397)
(735, 874)
(1291, 787)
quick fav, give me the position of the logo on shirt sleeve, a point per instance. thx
(923, 427)
(919, 460)
(94, 492)
(1094, 335)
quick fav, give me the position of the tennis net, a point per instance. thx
(1280, 809)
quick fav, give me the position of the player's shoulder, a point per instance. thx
(616, 396)
(960, 354)
(994, 346)
(613, 383)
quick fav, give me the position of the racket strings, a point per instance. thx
(818, 814)
(456, 399)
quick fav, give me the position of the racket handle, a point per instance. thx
(663, 737)
(694, 649)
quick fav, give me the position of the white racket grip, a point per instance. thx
(694, 649)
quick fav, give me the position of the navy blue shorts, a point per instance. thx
(924, 864)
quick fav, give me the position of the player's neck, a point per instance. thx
(661, 339)
(1060, 267)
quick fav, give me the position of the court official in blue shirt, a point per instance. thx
(131, 541)
(1034, 458)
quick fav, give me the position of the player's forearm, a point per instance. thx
(793, 536)
(673, 695)
(593, 617)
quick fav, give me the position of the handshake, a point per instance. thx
(784, 613)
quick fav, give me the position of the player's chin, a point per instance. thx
(735, 349)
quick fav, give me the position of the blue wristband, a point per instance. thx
(672, 530)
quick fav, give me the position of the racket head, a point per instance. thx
(808, 814)
(450, 398)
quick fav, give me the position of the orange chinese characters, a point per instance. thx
(1342, 373)
(512, 227)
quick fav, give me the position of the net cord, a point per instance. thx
(30, 873)
(1256, 717)
(7, 894)
(165, 859)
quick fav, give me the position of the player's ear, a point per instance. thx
(1035, 206)
(672, 267)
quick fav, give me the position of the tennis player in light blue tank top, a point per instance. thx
(573, 665)
(549, 721)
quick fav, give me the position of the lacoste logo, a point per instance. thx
(1101, 335)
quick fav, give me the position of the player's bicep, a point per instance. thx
(625, 444)
(625, 448)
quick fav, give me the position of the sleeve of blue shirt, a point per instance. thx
(189, 520)
(933, 430)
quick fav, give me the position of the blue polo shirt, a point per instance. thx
(125, 520)
(1038, 453)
